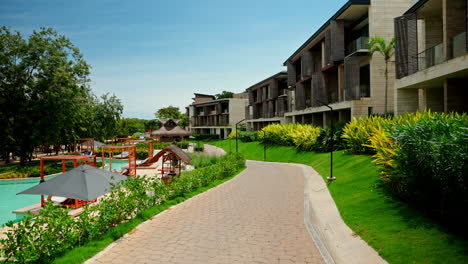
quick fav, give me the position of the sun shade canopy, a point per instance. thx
(83, 183)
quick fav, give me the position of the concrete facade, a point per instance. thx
(268, 102)
(216, 116)
(333, 66)
(437, 79)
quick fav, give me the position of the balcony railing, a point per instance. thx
(430, 57)
(459, 45)
(361, 43)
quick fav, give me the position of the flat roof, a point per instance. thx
(324, 26)
(271, 77)
(416, 6)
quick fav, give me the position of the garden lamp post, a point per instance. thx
(237, 148)
(332, 132)
(264, 146)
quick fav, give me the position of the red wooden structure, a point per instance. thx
(172, 158)
(131, 157)
(79, 141)
(150, 146)
(77, 160)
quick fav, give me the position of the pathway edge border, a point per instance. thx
(341, 244)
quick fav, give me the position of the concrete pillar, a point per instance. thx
(407, 100)
(422, 103)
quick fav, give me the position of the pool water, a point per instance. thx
(9, 201)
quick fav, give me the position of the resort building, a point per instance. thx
(268, 102)
(217, 117)
(431, 57)
(333, 66)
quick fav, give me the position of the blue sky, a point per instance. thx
(154, 53)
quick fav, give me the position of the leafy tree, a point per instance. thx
(44, 94)
(224, 94)
(152, 124)
(379, 45)
(129, 126)
(170, 112)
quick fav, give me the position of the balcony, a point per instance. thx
(430, 57)
(361, 43)
(459, 45)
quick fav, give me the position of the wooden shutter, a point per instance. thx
(291, 73)
(300, 96)
(351, 72)
(318, 89)
(306, 63)
(328, 47)
(337, 40)
(406, 45)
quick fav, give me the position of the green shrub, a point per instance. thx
(358, 132)
(41, 238)
(183, 145)
(202, 160)
(301, 136)
(199, 146)
(323, 142)
(247, 136)
(433, 162)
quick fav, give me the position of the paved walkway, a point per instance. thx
(257, 217)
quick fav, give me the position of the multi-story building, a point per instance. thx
(431, 57)
(210, 116)
(333, 66)
(268, 102)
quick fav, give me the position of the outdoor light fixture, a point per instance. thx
(332, 132)
(237, 148)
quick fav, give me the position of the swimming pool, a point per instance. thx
(9, 201)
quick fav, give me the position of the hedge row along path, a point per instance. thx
(257, 217)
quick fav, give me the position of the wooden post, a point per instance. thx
(95, 163)
(64, 165)
(74, 164)
(102, 158)
(42, 179)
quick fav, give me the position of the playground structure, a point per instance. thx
(77, 160)
(172, 159)
(131, 150)
(80, 143)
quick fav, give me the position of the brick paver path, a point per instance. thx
(257, 217)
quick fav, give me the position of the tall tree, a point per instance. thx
(170, 112)
(44, 94)
(224, 94)
(386, 49)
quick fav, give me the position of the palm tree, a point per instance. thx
(378, 44)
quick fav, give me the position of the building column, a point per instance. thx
(407, 100)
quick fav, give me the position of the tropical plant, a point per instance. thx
(386, 49)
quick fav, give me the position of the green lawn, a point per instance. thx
(399, 233)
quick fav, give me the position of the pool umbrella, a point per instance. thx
(83, 183)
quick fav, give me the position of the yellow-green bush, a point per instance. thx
(358, 132)
(301, 136)
(306, 137)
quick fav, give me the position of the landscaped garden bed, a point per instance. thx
(401, 231)
(53, 233)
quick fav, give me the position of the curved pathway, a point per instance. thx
(257, 217)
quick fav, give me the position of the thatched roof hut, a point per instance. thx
(170, 131)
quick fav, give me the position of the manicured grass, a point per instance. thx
(82, 253)
(399, 233)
